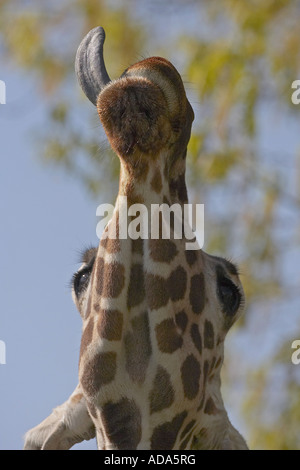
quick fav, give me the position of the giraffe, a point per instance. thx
(155, 315)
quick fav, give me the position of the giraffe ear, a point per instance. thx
(89, 64)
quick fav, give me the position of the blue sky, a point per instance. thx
(45, 221)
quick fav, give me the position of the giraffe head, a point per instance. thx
(155, 315)
(145, 113)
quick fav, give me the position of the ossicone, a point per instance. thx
(89, 64)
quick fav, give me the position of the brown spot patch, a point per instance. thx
(177, 283)
(136, 288)
(178, 188)
(156, 181)
(208, 335)
(165, 435)
(185, 441)
(196, 337)
(138, 348)
(110, 278)
(110, 238)
(98, 371)
(132, 197)
(181, 320)
(156, 291)
(187, 434)
(210, 407)
(111, 245)
(168, 338)
(137, 246)
(187, 428)
(163, 251)
(122, 422)
(87, 336)
(110, 324)
(197, 293)
(190, 375)
(99, 273)
(162, 393)
(190, 256)
(114, 280)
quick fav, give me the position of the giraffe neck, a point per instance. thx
(146, 366)
(157, 182)
(136, 320)
(147, 273)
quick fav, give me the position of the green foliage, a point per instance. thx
(280, 430)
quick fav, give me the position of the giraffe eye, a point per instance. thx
(81, 280)
(229, 296)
